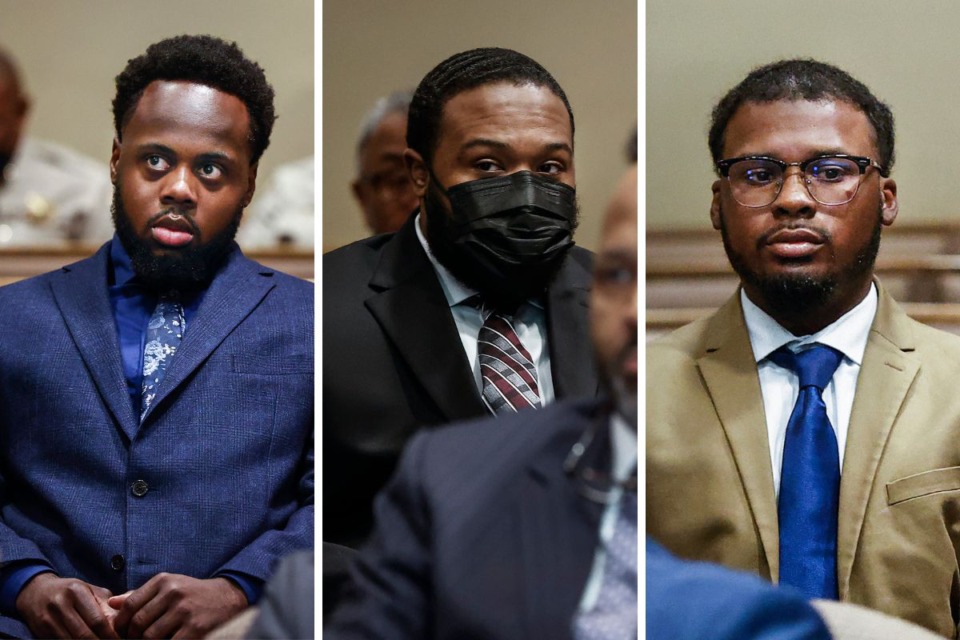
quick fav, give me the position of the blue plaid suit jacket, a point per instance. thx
(226, 450)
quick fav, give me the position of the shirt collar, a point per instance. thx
(623, 442)
(122, 266)
(454, 290)
(848, 334)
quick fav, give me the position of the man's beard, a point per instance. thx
(184, 269)
(624, 395)
(500, 293)
(789, 294)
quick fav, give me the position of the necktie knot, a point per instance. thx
(814, 366)
(507, 371)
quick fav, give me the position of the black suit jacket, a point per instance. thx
(393, 362)
(481, 534)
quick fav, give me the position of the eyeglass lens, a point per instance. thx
(757, 182)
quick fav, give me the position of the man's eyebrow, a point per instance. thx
(498, 144)
(155, 146)
(559, 146)
(618, 254)
(215, 155)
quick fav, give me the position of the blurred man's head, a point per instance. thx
(490, 138)
(382, 186)
(192, 117)
(14, 106)
(613, 298)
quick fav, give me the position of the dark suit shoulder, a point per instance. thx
(362, 255)
(582, 257)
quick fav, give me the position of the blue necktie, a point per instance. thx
(164, 333)
(809, 478)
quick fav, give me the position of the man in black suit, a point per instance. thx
(524, 526)
(490, 137)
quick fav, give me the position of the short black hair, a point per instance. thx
(205, 60)
(462, 72)
(804, 79)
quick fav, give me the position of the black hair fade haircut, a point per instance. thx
(462, 72)
(205, 60)
(804, 79)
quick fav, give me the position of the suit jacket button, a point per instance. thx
(117, 563)
(139, 488)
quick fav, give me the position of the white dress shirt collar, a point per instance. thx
(454, 290)
(848, 334)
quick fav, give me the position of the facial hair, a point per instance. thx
(622, 392)
(789, 294)
(184, 269)
(496, 293)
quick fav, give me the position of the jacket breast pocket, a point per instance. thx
(272, 365)
(923, 484)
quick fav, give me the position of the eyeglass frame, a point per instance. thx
(863, 162)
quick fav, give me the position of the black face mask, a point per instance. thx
(504, 236)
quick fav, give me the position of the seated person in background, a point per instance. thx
(282, 214)
(409, 324)
(382, 186)
(522, 526)
(48, 193)
(156, 400)
(808, 430)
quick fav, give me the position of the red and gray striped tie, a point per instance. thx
(509, 374)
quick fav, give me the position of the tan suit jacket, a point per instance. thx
(710, 493)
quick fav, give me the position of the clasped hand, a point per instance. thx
(167, 606)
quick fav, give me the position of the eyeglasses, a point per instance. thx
(756, 181)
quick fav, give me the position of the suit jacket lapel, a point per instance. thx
(730, 376)
(559, 531)
(571, 353)
(80, 291)
(233, 294)
(889, 366)
(413, 312)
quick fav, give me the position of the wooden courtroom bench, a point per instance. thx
(23, 262)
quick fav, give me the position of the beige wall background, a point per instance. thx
(372, 47)
(907, 53)
(70, 52)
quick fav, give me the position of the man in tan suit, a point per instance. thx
(732, 476)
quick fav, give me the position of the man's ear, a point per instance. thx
(418, 171)
(251, 184)
(715, 206)
(891, 205)
(114, 159)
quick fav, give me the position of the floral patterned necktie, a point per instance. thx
(164, 333)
